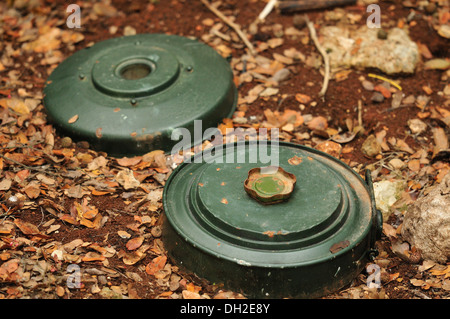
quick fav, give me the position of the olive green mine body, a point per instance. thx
(312, 243)
(127, 95)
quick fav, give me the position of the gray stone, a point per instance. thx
(377, 97)
(426, 223)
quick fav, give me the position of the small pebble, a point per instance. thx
(377, 97)
(12, 201)
(66, 142)
(367, 85)
(299, 21)
(410, 99)
(430, 8)
(240, 120)
(371, 147)
(281, 75)
(83, 144)
(417, 126)
(382, 34)
(156, 231)
(396, 99)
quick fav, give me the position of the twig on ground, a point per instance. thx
(360, 123)
(304, 5)
(219, 34)
(232, 25)
(262, 15)
(420, 294)
(394, 83)
(31, 168)
(267, 9)
(324, 54)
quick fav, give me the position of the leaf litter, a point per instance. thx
(63, 203)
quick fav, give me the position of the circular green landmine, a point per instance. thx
(129, 94)
(312, 242)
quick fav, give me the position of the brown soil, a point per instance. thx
(185, 18)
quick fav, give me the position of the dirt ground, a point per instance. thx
(48, 180)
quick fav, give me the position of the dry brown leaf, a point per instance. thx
(403, 146)
(275, 42)
(160, 161)
(440, 140)
(383, 90)
(104, 9)
(98, 132)
(68, 218)
(93, 256)
(193, 288)
(26, 227)
(127, 162)
(99, 193)
(156, 264)
(424, 51)
(414, 165)
(389, 230)
(73, 119)
(318, 123)
(11, 265)
(302, 98)
(91, 213)
(32, 190)
(23, 174)
(190, 295)
(225, 126)
(135, 243)
(293, 117)
(87, 223)
(133, 257)
(440, 272)
(74, 191)
(5, 184)
(123, 234)
(6, 228)
(17, 105)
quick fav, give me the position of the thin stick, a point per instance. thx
(360, 123)
(386, 79)
(233, 25)
(267, 9)
(31, 168)
(304, 5)
(263, 14)
(322, 51)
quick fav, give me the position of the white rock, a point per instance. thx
(387, 192)
(427, 223)
(417, 126)
(361, 48)
(127, 180)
